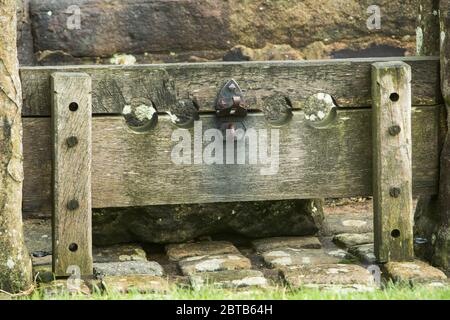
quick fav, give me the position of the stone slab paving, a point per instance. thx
(135, 283)
(151, 268)
(294, 257)
(210, 263)
(61, 287)
(42, 266)
(332, 249)
(119, 253)
(38, 235)
(330, 276)
(176, 252)
(414, 272)
(270, 244)
(364, 252)
(348, 240)
(228, 279)
(347, 222)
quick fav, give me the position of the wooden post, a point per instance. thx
(391, 118)
(72, 232)
(15, 263)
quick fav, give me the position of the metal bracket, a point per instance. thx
(230, 101)
(230, 110)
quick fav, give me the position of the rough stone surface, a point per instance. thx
(119, 253)
(269, 244)
(181, 223)
(433, 238)
(342, 223)
(340, 254)
(296, 257)
(214, 263)
(135, 283)
(341, 276)
(60, 288)
(128, 268)
(38, 235)
(415, 272)
(348, 240)
(364, 252)
(351, 218)
(42, 261)
(229, 279)
(43, 273)
(180, 25)
(333, 250)
(176, 252)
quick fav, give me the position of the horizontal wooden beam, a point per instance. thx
(347, 81)
(131, 169)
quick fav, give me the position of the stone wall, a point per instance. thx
(200, 30)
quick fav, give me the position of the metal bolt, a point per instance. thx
(73, 205)
(232, 87)
(395, 192)
(394, 130)
(72, 142)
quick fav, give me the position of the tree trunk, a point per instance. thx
(427, 32)
(15, 263)
(433, 213)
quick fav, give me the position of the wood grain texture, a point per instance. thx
(392, 182)
(15, 263)
(132, 169)
(347, 81)
(72, 230)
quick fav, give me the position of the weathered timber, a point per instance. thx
(15, 263)
(132, 169)
(117, 86)
(72, 216)
(392, 180)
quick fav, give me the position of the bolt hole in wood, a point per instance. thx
(320, 110)
(73, 247)
(73, 106)
(140, 116)
(395, 233)
(394, 97)
(278, 110)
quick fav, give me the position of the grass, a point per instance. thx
(390, 292)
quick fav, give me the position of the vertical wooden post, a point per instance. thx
(391, 112)
(72, 231)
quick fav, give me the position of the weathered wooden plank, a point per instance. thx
(132, 169)
(392, 175)
(72, 205)
(116, 86)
